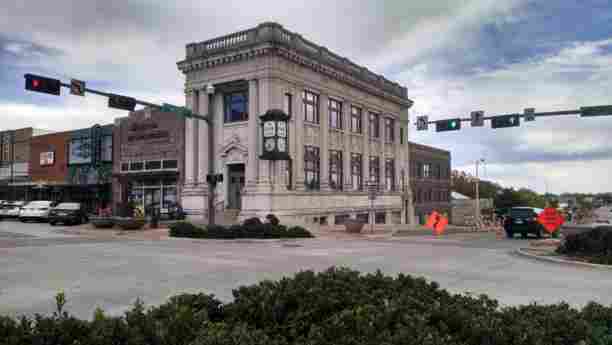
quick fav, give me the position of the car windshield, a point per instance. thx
(38, 204)
(522, 212)
(68, 206)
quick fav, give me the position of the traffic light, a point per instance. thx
(506, 121)
(448, 125)
(42, 84)
(121, 102)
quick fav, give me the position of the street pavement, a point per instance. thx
(37, 261)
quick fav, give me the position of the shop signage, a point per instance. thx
(149, 136)
(47, 158)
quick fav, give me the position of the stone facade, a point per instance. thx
(430, 180)
(274, 68)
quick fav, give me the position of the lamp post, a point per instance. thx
(212, 183)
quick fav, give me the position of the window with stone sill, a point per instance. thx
(374, 125)
(312, 168)
(356, 119)
(311, 107)
(335, 170)
(236, 106)
(356, 171)
(374, 170)
(426, 170)
(335, 114)
(389, 129)
(389, 174)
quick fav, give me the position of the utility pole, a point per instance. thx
(477, 218)
(212, 183)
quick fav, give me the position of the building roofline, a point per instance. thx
(275, 34)
(427, 147)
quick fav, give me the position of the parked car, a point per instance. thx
(36, 210)
(11, 209)
(524, 221)
(169, 211)
(68, 213)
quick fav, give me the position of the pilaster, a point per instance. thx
(346, 155)
(324, 145)
(203, 130)
(252, 165)
(365, 159)
(298, 134)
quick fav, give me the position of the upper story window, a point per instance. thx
(335, 114)
(107, 148)
(426, 170)
(355, 119)
(374, 125)
(389, 174)
(389, 129)
(79, 151)
(312, 167)
(311, 107)
(288, 104)
(374, 170)
(356, 171)
(438, 171)
(335, 170)
(236, 106)
(402, 135)
(419, 169)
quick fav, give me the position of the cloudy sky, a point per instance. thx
(454, 56)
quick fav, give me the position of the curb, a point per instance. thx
(523, 253)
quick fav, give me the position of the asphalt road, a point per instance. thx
(36, 262)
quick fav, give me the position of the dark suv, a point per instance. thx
(524, 221)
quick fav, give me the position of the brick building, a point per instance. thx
(430, 180)
(48, 166)
(148, 158)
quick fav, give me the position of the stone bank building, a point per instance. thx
(347, 130)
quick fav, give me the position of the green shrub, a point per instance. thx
(253, 230)
(186, 229)
(337, 306)
(595, 244)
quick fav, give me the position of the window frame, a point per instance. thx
(356, 120)
(389, 129)
(335, 159)
(390, 174)
(334, 108)
(288, 99)
(427, 170)
(357, 166)
(312, 154)
(373, 125)
(313, 103)
(81, 140)
(227, 115)
(374, 170)
(103, 148)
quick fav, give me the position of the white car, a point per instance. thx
(11, 209)
(35, 210)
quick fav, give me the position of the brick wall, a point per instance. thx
(56, 143)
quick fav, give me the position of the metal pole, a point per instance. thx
(211, 158)
(13, 165)
(477, 195)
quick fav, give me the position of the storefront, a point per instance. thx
(149, 160)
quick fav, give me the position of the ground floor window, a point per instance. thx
(380, 218)
(374, 170)
(390, 174)
(153, 193)
(356, 171)
(312, 170)
(341, 218)
(363, 217)
(335, 170)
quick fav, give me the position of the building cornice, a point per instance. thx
(272, 38)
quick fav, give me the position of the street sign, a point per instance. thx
(77, 87)
(422, 123)
(551, 219)
(448, 125)
(170, 108)
(505, 121)
(529, 114)
(42, 84)
(121, 102)
(477, 118)
(601, 110)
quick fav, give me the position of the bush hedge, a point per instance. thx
(252, 230)
(594, 245)
(338, 306)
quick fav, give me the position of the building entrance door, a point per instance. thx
(235, 185)
(152, 199)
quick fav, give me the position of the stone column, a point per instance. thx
(203, 159)
(264, 103)
(346, 155)
(365, 158)
(252, 168)
(298, 135)
(324, 143)
(189, 142)
(383, 149)
(398, 155)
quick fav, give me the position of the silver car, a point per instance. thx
(36, 210)
(11, 209)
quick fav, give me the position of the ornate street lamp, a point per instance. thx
(275, 123)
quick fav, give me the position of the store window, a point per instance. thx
(153, 165)
(356, 171)
(107, 148)
(335, 170)
(363, 218)
(136, 166)
(312, 168)
(380, 218)
(341, 219)
(311, 107)
(335, 114)
(170, 164)
(236, 106)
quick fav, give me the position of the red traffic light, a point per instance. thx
(42, 84)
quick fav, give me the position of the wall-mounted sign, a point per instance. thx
(47, 158)
(149, 136)
(269, 129)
